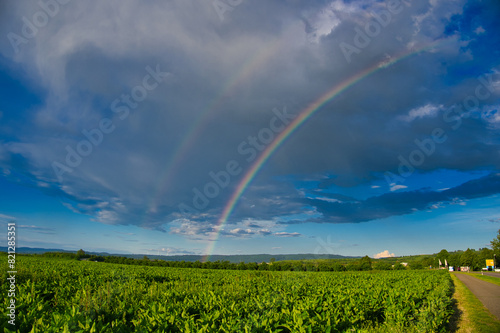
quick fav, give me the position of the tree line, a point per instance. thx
(471, 258)
(324, 265)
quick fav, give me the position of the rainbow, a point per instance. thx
(253, 63)
(303, 116)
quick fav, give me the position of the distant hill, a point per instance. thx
(39, 250)
(33, 250)
(236, 258)
(231, 258)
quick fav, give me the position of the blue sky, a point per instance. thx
(127, 127)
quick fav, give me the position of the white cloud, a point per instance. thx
(37, 229)
(479, 30)
(427, 110)
(383, 254)
(395, 187)
(6, 218)
(193, 230)
(239, 231)
(322, 22)
(328, 199)
(171, 251)
(287, 234)
(244, 229)
(458, 201)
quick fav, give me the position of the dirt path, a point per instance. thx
(488, 293)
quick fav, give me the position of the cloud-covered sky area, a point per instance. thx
(152, 119)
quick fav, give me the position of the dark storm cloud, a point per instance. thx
(402, 203)
(222, 81)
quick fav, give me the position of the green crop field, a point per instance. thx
(72, 296)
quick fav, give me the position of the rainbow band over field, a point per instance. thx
(297, 122)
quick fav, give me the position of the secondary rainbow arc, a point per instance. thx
(256, 61)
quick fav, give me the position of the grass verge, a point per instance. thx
(471, 315)
(486, 278)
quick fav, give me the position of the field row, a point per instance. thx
(97, 297)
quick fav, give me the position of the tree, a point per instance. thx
(252, 266)
(225, 264)
(365, 263)
(336, 267)
(323, 267)
(382, 265)
(442, 255)
(98, 258)
(467, 258)
(454, 259)
(398, 266)
(276, 267)
(416, 265)
(495, 243)
(428, 261)
(353, 266)
(310, 267)
(482, 256)
(80, 254)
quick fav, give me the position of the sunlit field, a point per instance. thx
(75, 296)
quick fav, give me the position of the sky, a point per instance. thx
(241, 127)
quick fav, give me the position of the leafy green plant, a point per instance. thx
(56, 295)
